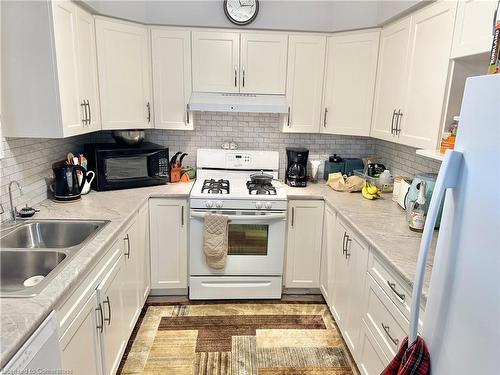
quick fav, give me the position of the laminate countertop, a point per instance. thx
(381, 223)
(20, 317)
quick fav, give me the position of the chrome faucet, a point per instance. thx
(13, 209)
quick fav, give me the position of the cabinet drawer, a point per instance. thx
(396, 288)
(371, 358)
(387, 323)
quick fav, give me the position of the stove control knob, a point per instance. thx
(209, 204)
(258, 205)
(218, 204)
(269, 205)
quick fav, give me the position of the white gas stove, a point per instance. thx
(223, 180)
(256, 230)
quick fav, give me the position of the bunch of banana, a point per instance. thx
(370, 191)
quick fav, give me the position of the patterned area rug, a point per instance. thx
(237, 339)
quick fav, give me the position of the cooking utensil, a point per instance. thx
(128, 137)
(261, 178)
(69, 158)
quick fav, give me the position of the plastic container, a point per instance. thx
(386, 182)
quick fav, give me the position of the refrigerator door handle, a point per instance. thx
(447, 179)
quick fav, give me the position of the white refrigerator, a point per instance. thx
(462, 314)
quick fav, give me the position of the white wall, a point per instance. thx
(306, 15)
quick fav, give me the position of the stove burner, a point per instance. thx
(255, 188)
(215, 187)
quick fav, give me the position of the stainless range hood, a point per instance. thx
(212, 102)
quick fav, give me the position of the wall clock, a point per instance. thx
(241, 12)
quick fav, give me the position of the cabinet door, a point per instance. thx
(340, 299)
(431, 33)
(65, 29)
(115, 335)
(168, 243)
(87, 63)
(350, 83)
(391, 79)
(215, 61)
(263, 63)
(124, 74)
(357, 258)
(143, 249)
(303, 253)
(306, 63)
(171, 50)
(473, 27)
(371, 359)
(132, 290)
(327, 272)
(83, 333)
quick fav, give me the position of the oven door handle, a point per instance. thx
(266, 217)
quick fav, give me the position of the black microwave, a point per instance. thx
(124, 167)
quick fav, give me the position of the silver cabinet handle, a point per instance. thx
(344, 245)
(243, 75)
(401, 296)
(392, 122)
(293, 217)
(347, 253)
(398, 123)
(127, 238)
(100, 326)
(108, 319)
(84, 110)
(187, 113)
(324, 117)
(288, 118)
(182, 215)
(148, 106)
(386, 329)
(235, 76)
(90, 113)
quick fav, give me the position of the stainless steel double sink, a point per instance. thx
(33, 252)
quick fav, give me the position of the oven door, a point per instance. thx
(128, 169)
(256, 243)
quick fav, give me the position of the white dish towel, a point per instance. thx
(215, 233)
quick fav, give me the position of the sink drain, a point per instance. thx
(33, 280)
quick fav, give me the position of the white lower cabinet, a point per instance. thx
(350, 257)
(326, 271)
(303, 252)
(132, 255)
(168, 244)
(371, 359)
(143, 247)
(83, 332)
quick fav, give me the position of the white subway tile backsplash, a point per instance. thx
(30, 160)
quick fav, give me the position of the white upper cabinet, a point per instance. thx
(64, 14)
(124, 74)
(87, 64)
(215, 61)
(420, 122)
(230, 62)
(473, 27)
(351, 66)
(306, 63)
(263, 63)
(49, 70)
(391, 79)
(411, 80)
(171, 51)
